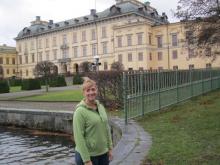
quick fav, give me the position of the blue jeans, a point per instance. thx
(96, 160)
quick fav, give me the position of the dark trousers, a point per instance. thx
(96, 160)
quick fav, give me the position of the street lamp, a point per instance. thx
(96, 63)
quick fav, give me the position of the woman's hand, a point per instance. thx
(88, 163)
(110, 155)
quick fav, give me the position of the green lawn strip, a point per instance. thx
(15, 89)
(186, 134)
(71, 95)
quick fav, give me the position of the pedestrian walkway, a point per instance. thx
(14, 95)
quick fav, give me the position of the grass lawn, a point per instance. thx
(71, 95)
(15, 89)
(186, 134)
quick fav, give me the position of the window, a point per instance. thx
(7, 60)
(191, 66)
(130, 69)
(175, 67)
(65, 53)
(189, 37)
(1, 60)
(21, 73)
(175, 54)
(129, 39)
(104, 48)
(105, 66)
(75, 51)
(94, 49)
(208, 66)
(174, 39)
(26, 72)
(119, 38)
(84, 50)
(208, 52)
(32, 55)
(8, 71)
(150, 39)
(141, 68)
(39, 43)
(47, 43)
(159, 42)
(160, 56)
(13, 60)
(26, 59)
(129, 57)
(93, 33)
(83, 36)
(104, 32)
(20, 59)
(191, 52)
(54, 41)
(140, 38)
(47, 55)
(25, 48)
(54, 54)
(120, 58)
(75, 37)
(32, 45)
(64, 39)
(13, 71)
(19, 48)
(40, 57)
(150, 57)
(140, 56)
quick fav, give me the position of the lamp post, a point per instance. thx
(96, 63)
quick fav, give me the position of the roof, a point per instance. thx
(7, 49)
(126, 7)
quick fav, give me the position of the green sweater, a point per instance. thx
(91, 131)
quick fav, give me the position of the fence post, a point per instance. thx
(211, 78)
(158, 83)
(202, 81)
(142, 93)
(191, 84)
(125, 98)
(177, 87)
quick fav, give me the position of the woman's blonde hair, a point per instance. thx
(88, 83)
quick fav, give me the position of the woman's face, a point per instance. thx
(90, 93)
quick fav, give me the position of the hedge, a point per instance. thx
(15, 82)
(77, 79)
(58, 81)
(4, 87)
(30, 84)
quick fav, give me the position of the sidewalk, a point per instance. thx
(14, 95)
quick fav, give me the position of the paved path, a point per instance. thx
(14, 95)
(67, 106)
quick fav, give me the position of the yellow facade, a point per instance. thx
(130, 32)
(8, 62)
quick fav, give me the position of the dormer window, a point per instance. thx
(115, 10)
(76, 20)
(57, 25)
(49, 27)
(66, 23)
(86, 18)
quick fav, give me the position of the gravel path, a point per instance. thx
(67, 106)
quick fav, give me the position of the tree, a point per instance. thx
(45, 69)
(85, 66)
(117, 66)
(202, 18)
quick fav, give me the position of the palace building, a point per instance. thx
(8, 61)
(130, 32)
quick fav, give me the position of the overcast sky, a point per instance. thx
(17, 14)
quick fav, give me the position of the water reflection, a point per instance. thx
(20, 147)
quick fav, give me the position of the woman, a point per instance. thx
(91, 130)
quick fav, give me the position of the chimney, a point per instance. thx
(37, 18)
(93, 12)
(50, 22)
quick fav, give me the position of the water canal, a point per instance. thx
(21, 147)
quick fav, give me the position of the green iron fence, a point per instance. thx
(147, 91)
